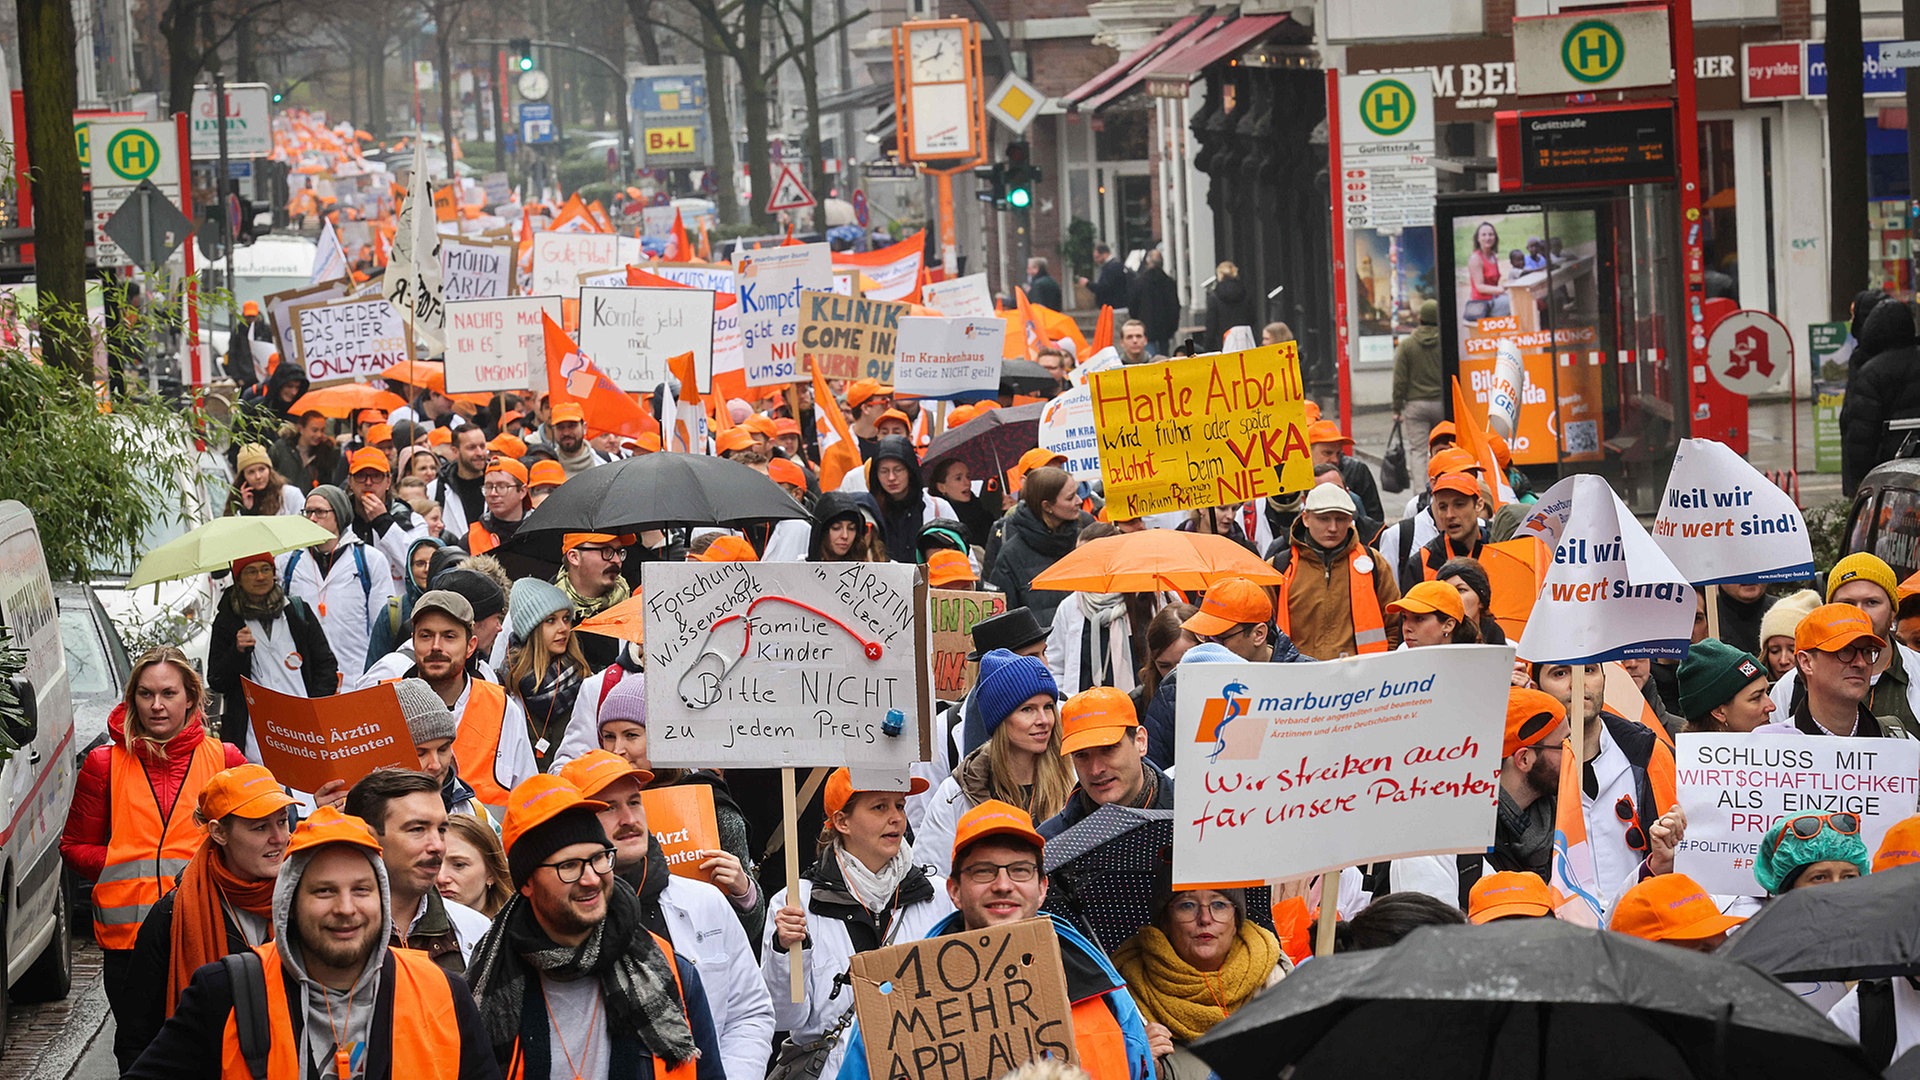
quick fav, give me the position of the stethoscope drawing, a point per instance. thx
(725, 644)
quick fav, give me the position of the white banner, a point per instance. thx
(1734, 787)
(412, 280)
(559, 258)
(476, 269)
(962, 297)
(630, 333)
(758, 665)
(1293, 769)
(770, 283)
(1066, 427)
(1611, 593)
(349, 339)
(489, 343)
(937, 357)
(1721, 521)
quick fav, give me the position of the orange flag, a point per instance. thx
(1102, 332)
(682, 248)
(1472, 438)
(572, 377)
(574, 217)
(789, 241)
(706, 243)
(842, 455)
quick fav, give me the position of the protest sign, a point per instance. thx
(770, 282)
(412, 279)
(306, 742)
(953, 613)
(1066, 427)
(1202, 431)
(1288, 770)
(892, 272)
(491, 344)
(279, 307)
(347, 339)
(1721, 521)
(783, 664)
(682, 819)
(847, 337)
(963, 297)
(1611, 593)
(473, 269)
(630, 332)
(1734, 787)
(1506, 388)
(715, 276)
(953, 358)
(967, 1006)
(559, 258)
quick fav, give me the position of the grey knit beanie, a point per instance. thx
(342, 506)
(428, 718)
(531, 601)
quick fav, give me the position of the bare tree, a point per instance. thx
(49, 85)
(801, 33)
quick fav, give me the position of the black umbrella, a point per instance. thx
(1101, 873)
(653, 491)
(1866, 928)
(1525, 999)
(990, 443)
(1026, 377)
(1906, 1068)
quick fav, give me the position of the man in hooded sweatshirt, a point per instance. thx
(1418, 384)
(900, 499)
(340, 1002)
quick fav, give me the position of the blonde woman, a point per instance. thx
(546, 665)
(473, 870)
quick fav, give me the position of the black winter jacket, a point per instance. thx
(1029, 548)
(900, 519)
(1228, 306)
(1887, 387)
(144, 1006)
(319, 670)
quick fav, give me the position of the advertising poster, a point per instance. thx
(1392, 276)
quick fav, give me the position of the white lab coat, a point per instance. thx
(789, 541)
(705, 928)
(933, 843)
(344, 603)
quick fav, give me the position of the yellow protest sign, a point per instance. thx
(1202, 430)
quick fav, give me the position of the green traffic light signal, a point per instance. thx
(1020, 197)
(526, 63)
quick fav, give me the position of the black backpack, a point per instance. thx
(249, 979)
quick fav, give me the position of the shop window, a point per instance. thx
(1720, 234)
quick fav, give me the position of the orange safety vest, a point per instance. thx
(476, 743)
(517, 1066)
(147, 848)
(480, 539)
(422, 1000)
(1099, 1039)
(1369, 621)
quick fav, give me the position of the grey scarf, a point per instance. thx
(1527, 834)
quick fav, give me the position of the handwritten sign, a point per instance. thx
(306, 742)
(559, 258)
(473, 269)
(279, 308)
(953, 614)
(1288, 770)
(948, 358)
(776, 664)
(717, 277)
(967, 1006)
(350, 339)
(770, 284)
(1611, 593)
(1066, 427)
(682, 819)
(1734, 787)
(1722, 521)
(964, 297)
(1202, 431)
(847, 337)
(630, 332)
(492, 344)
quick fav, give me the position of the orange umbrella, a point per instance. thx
(1152, 560)
(431, 375)
(342, 400)
(622, 621)
(1516, 571)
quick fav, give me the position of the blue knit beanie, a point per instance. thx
(1782, 858)
(1006, 681)
(531, 601)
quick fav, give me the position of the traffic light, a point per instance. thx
(1020, 175)
(993, 185)
(523, 53)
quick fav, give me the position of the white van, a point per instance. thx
(36, 781)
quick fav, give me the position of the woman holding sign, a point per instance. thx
(261, 633)
(864, 893)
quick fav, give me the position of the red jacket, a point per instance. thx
(83, 843)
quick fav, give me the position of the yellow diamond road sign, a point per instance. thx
(1015, 102)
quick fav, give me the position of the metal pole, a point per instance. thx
(220, 187)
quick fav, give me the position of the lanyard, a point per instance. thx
(562, 1039)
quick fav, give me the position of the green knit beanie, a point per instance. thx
(1712, 674)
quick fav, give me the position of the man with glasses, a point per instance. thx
(505, 491)
(584, 987)
(343, 580)
(1867, 582)
(591, 578)
(1835, 651)
(379, 520)
(998, 878)
(867, 400)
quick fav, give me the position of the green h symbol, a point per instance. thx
(1386, 108)
(1592, 47)
(133, 154)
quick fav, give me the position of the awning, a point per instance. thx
(1203, 31)
(1127, 67)
(1190, 61)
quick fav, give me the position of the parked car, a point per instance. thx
(1885, 516)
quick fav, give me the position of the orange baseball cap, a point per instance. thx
(1437, 596)
(960, 414)
(732, 440)
(1508, 894)
(994, 818)
(1832, 627)
(786, 472)
(546, 472)
(1502, 453)
(568, 412)
(440, 436)
(507, 445)
(1313, 409)
(726, 549)
(1900, 846)
(1443, 430)
(1038, 457)
(1464, 483)
(1669, 907)
(1452, 459)
(247, 790)
(510, 416)
(761, 423)
(948, 567)
(370, 416)
(379, 433)
(573, 540)
(251, 307)
(1096, 717)
(596, 770)
(1525, 728)
(786, 425)
(863, 389)
(539, 799)
(369, 457)
(895, 414)
(985, 406)
(328, 825)
(839, 788)
(511, 468)
(1325, 431)
(1230, 602)
(647, 442)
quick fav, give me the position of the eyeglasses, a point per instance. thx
(1189, 910)
(1019, 873)
(1849, 653)
(1808, 826)
(1222, 639)
(611, 554)
(498, 489)
(317, 511)
(570, 871)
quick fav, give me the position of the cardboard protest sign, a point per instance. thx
(941, 357)
(343, 340)
(559, 258)
(784, 664)
(682, 819)
(279, 310)
(492, 344)
(967, 1006)
(953, 613)
(1288, 770)
(1203, 430)
(1734, 787)
(770, 284)
(472, 269)
(1721, 521)
(1066, 427)
(306, 742)
(849, 338)
(1611, 593)
(630, 332)
(964, 297)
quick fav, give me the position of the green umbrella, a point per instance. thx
(217, 543)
